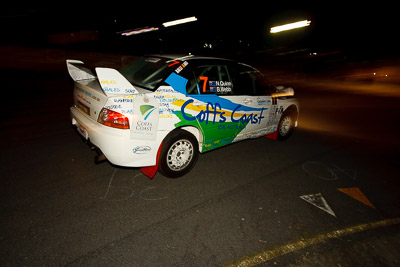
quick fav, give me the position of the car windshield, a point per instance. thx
(146, 72)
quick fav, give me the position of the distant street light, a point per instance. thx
(179, 21)
(290, 26)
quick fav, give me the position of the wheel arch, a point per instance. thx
(196, 132)
(293, 109)
(178, 135)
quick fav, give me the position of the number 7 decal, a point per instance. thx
(205, 79)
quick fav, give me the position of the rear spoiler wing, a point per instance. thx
(78, 71)
(111, 81)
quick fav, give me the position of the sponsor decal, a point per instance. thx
(181, 67)
(220, 119)
(261, 101)
(108, 82)
(145, 119)
(144, 126)
(220, 86)
(217, 115)
(146, 110)
(141, 150)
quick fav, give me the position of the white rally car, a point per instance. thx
(159, 112)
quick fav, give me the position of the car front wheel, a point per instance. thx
(286, 126)
(179, 154)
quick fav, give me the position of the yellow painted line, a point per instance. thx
(275, 252)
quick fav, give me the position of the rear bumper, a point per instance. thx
(116, 144)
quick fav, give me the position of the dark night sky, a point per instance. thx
(334, 25)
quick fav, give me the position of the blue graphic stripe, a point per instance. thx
(177, 82)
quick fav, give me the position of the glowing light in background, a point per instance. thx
(179, 21)
(138, 31)
(291, 26)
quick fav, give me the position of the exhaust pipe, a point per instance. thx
(100, 157)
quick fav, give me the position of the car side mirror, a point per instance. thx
(283, 91)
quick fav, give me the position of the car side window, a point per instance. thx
(212, 79)
(250, 81)
(191, 86)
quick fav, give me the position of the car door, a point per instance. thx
(211, 92)
(255, 98)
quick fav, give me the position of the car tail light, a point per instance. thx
(113, 119)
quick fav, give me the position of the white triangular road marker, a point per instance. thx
(318, 201)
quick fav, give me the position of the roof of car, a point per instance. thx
(189, 57)
(182, 57)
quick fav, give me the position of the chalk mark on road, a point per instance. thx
(107, 194)
(130, 190)
(109, 184)
(325, 172)
(148, 188)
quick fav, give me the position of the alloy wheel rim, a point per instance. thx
(285, 126)
(180, 155)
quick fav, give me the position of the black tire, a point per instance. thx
(179, 153)
(286, 125)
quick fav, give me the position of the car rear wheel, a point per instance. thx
(179, 154)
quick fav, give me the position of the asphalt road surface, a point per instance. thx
(329, 195)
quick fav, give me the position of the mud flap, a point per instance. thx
(273, 136)
(151, 171)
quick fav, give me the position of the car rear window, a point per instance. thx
(146, 72)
